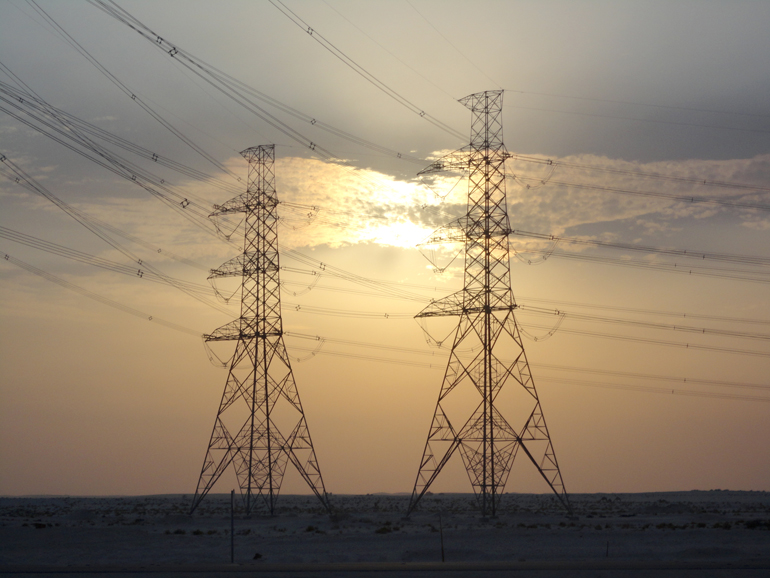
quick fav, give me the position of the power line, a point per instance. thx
(675, 344)
(683, 198)
(111, 228)
(639, 173)
(236, 91)
(649, 120)
(128, 92)
(651, 311)
(398, 290)
(362, 31)
(132, 271)
(661, 390)
(122, 168)
(702, 255)
(562, 368)
(124, 17)
(81, 257)
(581, 383)
(96, 297)
(361, 71)
(611, 101)
(645, 324)
(121, 307)
(473, 64)
(657, 377)
(678, 268)
(84, 220)
(44, 110)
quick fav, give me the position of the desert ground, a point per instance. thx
(677, 533)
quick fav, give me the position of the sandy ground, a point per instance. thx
(714, 528)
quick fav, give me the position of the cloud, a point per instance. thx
(332, 204)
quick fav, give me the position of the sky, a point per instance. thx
(651, 363)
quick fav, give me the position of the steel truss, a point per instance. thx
(487, 357)
(260, 392)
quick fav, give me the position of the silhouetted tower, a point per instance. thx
(260, 392)
(487, 373)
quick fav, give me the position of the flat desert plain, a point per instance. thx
(710, 527)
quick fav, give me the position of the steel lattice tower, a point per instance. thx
(487, 357)
(260, 392)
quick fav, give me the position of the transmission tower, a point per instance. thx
(487, 358)
(260, 392)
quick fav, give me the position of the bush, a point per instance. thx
(758, 524)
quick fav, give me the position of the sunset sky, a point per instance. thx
(652, 364)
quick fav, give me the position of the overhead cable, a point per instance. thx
(657, 194)
(639, 173)
(647, 104)
(452, 44)
(676, 344)
(84, 220)
(97, 297)
(630, 387)
(678, 268)
(702, 255)
(240, 92)
(130, 93)
(79, 256)
(361, 71)
(648, 120)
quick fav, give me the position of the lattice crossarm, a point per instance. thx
(449, 305)
(235, 267)
(454, 232)
(236, 329)
(455, 161)
(237, 204)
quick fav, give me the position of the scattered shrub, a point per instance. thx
(757, 524)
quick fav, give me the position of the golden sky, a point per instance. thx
(655, 377)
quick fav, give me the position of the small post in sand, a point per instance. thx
(441, 534)
(232, 526)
